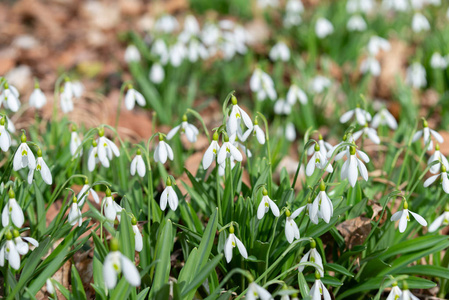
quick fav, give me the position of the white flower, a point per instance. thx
(132, 96)
(5, 137)
(230, 244)
(196, 50)
(403, 217)
(353, 165)
(291, 228)
(222, 167)
(376, 44)
(50, 287)
(66, 101)
(371, 133)
(318, 160)
(258, 132)
(371, 65)
(354, 6)
(234, 122)
(282, 107)
(106, 148)
(384, 117)
(420, 23)
(290, 132)
(319, 289)
(319, 83)
(160, 50)
(132, 54)
(111, 208)
(293, 10)
(12, 211)
(356, 23)
(322, 206)
(395, 292)
(228, 150)
(427, 133)
(443, 219)
(169, 195)
(362, 116)
(138, 241)
(116, 263)
(138, 164)
(37, 98)
(323, 28)
(92, 157)
(296, 94)
(444, 180)
(177, 54)
(397, 5)
(438, 61)
(437, 156)
(416, 75)
(265, 205)
(75, 215)
(342, 153)
(255, 291)
(280, 51)
(407, 295)
(166, 24)
(211, 152)
(42, 167)
(162, 151)
(312, 256)
(24, 157)
(157, 73)
(73, 89)
(262, 84)
(75, 143)
(10, 253)
(84, 193)
(324, 147)
(267, 3)
(188, 129)
(191, 29)
(10, 97)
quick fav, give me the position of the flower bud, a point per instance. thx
(405, 205)
(288, 213)
(138, 152)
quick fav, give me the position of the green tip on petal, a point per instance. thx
(86, 181)
(312, 244)
(23, 138)
(168, 181)
(184, 118)
(108, 192)
(11, 194)
(215, 136)
(39, 152)
(322, 186)
(133, 221)
(114, 244)
(264, 192)
(8, 235)
(231, 229)
(233, 100)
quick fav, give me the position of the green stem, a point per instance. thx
(119, 106)
(217, 179)
(269, 247)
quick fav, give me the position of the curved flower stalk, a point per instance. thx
(404, 217)
(37, 97)
(371, 133)
(234, 122)
(296, 94)
(162, 151)
(322, 206)
(5, 137)
(10, 97)
(312, 256)
(137, 164)
(323, 28)
(443, 219)
(84, 193)
(132, 96)
(395, 292)
(280, 52)
(12, 211)
(353, 165)
(115, 263)
(75, 215)
(255, 291)
(262, 84)
(265, 205)
(347, 138)
(42, 167)
(186, 128)
(24, 157)
(75, 143)
(291, 228)
(444, 180)
(384, 117)
(211, 153)
(362, 116)
(111, 208)
(228, 150)
(318, 160)
(230, 244)
(437, 156)
(138, 241)
(426, 133)
(169, 195)
(319, 289)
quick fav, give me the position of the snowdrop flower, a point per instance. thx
(228, 150)
(66, 100)
(340, 155)
(280, 51)
(211, 152)
(319, 289)
(420, 23)
(443, 219)
(384, 117)
(222, 167)
(166, 24)
(115, 263)
(416, 76)
(191, 29)
(265, 205)
(444, 179)
(50, 287)
(37, 97)
(403, 217)
(437, 156)
(84, 193)
(169, 195)
(322, 206)
(111, 208)
(189, 130)
(138, 241)
(22, 242)
(160, 50)
(138, 164)
(75, 143)
(255, 291)
(361, 115)
(438, 61)
(157, 73)
(196, 50)
(354, 6)
(318, 160)
(236, 142)
(324, 147)
(356, 23)
(293, 10)
(447, 14)
(296, 94)
(319, 84)
(10, 97)
(177, 54)
(395, 292)
(106, 148)
(262, 84)
(282, 107)
(5, 137)
(75, 215)
(291, 228)
(73, 89)
(406, 294)
(24, 157)
(132, 54)
(323, 28)
(371, 133)
(353, 165)
(376, 44)
(312, 256)
(92, 157)
(370, 65)
(132, 96)
(267, 3)
(42, 167)
(162, 151)
(290, 132)
(397, 5)
(234, 122)
(12, 211)
(10, 253)
(230, 244)
(258, 132)
(427, 133)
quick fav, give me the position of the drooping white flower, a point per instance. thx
(169, 196)
(265, 205)
(234, 122)
(106, 148)
(437, 156)
(353, 165)
(319, 289)
(356, 23)
(157, 73)
(138, 164)
(42, 167)
(92, 157)
(75, 215)
(138, 241)
(12, 211)
(356, 6)
(420, 23)
(166, 24)
(9, 252)
(186, 128)
(66, 101)
(50, 287)
(267, 3)
(24, 157)
(407, 295)
(427, 133)
(318, 160)
(376, 43)
(262, 84)
(282, 107)
(312, 256)
(290, 132)
(74, 89)
(416, 75)
(443, 219)
(115, 263)
(291, 228)
(196, 50)
(110, 207)
(177, 53)
(280, 51)
(84, 193)
(255, 291)
(230, 244)
(132, 54)
(5, 137)
(75, 143)
(296, 94)
(444, 180)
(22, 242)
(395, 292)
(228, 150)
(319, 83)
(258, 132)
(191, 29)
(384, 117)
(370, 65)
(211, 152)
(371, 133)
(324, 147)
(397, 5)
(437, 61)
(238, 144)
(37, 98)
(132, 96)
(323, 28)
(162, 151)
(404, 217)
(361, 115)
(293, 10)
(10, 97)
(322, 205)
(160, 50)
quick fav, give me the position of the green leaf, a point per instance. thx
(425, 270)
(339, 269)
(77, 285)
(202, 275)
(127, 242)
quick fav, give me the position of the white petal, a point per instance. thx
(346, 116)
(261, 209)
(228, 248)
(403, 221)
(352, 170)
(241, 248)
(396, 216)
(109, 273)
(362, 169)
(13, 257)
(418, 218)
(235, 153)
(130, 271)
(129, 99)
(172, 132)
(416, 136)
(208, 157)
(141, 166)
(164, 198)
(133, 166)
(16, 213)
(274, 208)
(437, 223)
(430, 180)
(311, 165)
